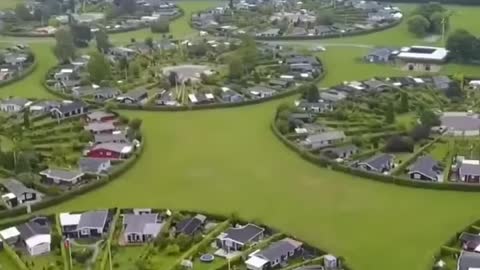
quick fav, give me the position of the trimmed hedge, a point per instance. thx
(105, 255)
(401, 181)
(63, 251)
(15, 258)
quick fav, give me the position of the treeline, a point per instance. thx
(454, 2)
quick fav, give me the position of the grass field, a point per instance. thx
(9, 3)
(229, 161)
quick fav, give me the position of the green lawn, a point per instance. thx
(4, 4)
(228, 160)
(6, 263)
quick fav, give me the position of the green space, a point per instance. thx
(9, 3)
(228, 160)
(6, 263)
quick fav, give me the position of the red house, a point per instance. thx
(100, 116)
(111, 151)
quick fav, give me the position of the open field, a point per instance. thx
(229, 161)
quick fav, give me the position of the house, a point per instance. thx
(189, 226)
(105, 93)
(470, 241)
(141, 228)
(70, 109)
(66, 73)
(100, 127)
(258, 91)
(274, 255)
(379, 55)
(82, 91)
(94, 166)
(43, 107)
(111, 150)
(90, 224)
(100, 116)
(62, 176)
(308, 129)
(36, 237)
(468, 260)
(115, 137)
(377, 85)
(13, 105)
(18, 193)
(133, 97)
(10, 235)
(379, 163)
(442, 82)
(235, 238)
(426, 168)
(231, 96)
(332, 95)
(273, 32)
(314, 107)
(279, 83)
(468, 170)
(304, 117)
(317, 141)
(343, 152)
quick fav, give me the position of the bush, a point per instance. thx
(398, 143)
(160, 26)
(172, 249)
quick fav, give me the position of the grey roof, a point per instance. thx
(441, 81)
(93, 219)
(30, 229)
(135, 94)
(467, 237)
(374, 84)
(16, 101)
(468, 260)
(18, 188)
(380, 52)
(427, 166)
(108, 138)
(270, 32)
(72, 106)
(261, 89)
(470, 169)
(138, 223)
(243, 234)
(461, 122)
(378, 161)
(91, 165)
(279, 249)
(299, 59)
(107, 91)
(189, 226)
(61, 174)
(326, 136)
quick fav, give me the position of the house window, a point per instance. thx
(109, 153)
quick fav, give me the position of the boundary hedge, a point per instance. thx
(15, 258)
(22, 75)
(397, 180)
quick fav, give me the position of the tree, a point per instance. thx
(390, 114)
(426, 10)
(127, 6)
(235, 67)
(282, 125)
(404, 106)
(64, 47)
(463, 46)
(183, 241)
(398, 143)
(98, 67)
(102, 40)
(22, 164)
(248, 53)
(134, 69)
(438, 20)
(135, 124)
(173, 78)
(311, 93)
(172, 249)
(123, 65)
(160, 26)
(420, 132)
(22, 12)
(429, 118)
(418, 25)
(149, 42)
(26, 118)
(82, 34)
(325, 17)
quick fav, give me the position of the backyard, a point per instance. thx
(228, 160)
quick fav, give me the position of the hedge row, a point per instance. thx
(22, 75)
(305, 262)
(105, 255)
(401, 181)
(14, 257)
(63, 252)
(333, 35)
(116, 172)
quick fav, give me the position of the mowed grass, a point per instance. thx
(4, 4)
(6, 263)
(228, 160)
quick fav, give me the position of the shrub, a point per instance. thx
(399, 144)
(172, 249)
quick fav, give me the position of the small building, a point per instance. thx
(115, 137)
(137, 96)
(468, 170)
(70, 109)
(470, 241)
(13, 105)
(190, 226)
(261, 91)
(379, 55)
(92, 224)
(94, 166)
(105, 93)
(141, 228)
(426, 168)
(100, 116)
(100, 127)
(273, 32)
(10, 235)
(236, 238)
(343, 152)
(111, 151)
(380, 163)
(274, 255)
(423, 54)
(315, 107)
(468, 261)
(18, 193)
(36, 237)
(324, 139)
(62, 176)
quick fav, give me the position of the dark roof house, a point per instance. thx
(426, 168)
(190, 226)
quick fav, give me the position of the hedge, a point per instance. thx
(63, 251)
(401, 181)
(114, 173)
(400, 168)
(22, 75)
(105, 255)
(305, 262)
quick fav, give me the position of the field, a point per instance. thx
(9, 3)
(229, 161)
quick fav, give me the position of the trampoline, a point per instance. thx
(206, 258)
